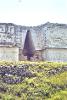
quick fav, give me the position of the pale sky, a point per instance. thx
(33, 12)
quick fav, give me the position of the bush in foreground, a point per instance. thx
(44, 81)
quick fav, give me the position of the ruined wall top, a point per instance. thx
(48, 35)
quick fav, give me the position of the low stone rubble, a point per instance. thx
(14, 74)
(57, 70)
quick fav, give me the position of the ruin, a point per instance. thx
(47, 42)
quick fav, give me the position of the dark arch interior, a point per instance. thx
(29, 48)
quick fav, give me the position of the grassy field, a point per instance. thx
(49, 82)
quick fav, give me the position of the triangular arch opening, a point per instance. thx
(29, 48)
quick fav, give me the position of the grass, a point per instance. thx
(41, 87)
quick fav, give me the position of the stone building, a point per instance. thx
(46, 42)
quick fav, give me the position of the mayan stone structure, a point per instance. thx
(47, 42)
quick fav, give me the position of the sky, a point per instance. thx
(33, 12)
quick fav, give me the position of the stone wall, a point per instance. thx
(50, 40)
(9, 53)
(54, 54)
(56, 36)
(7, 34)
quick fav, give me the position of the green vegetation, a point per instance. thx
(49, 83)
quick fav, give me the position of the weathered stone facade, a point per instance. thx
(50, 40)
(9, 53)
